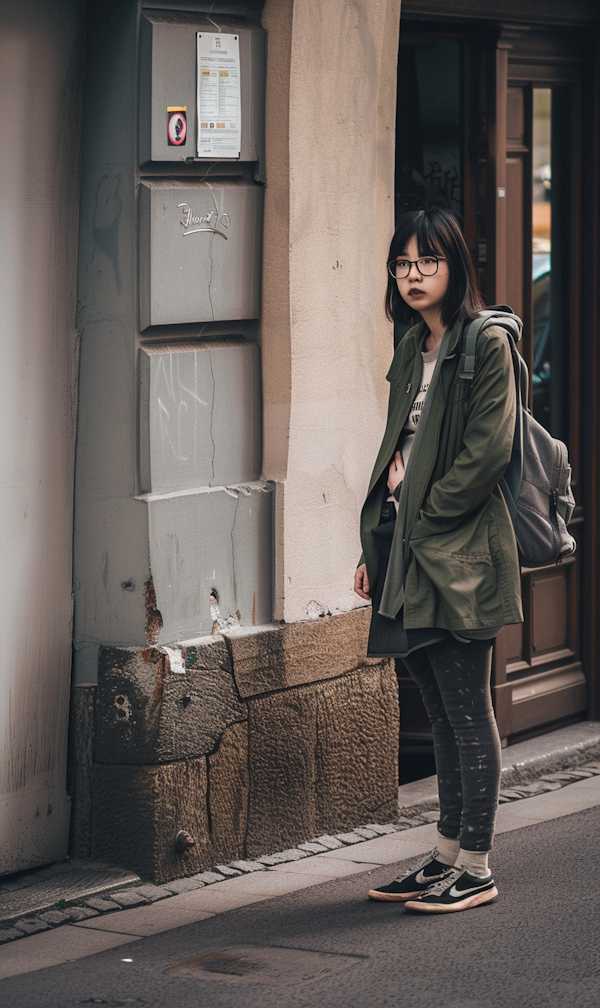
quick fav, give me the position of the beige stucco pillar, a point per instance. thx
(331, 98)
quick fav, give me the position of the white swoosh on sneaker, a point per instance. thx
(421, 878)
(455, 893)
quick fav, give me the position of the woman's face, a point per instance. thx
(423, 293)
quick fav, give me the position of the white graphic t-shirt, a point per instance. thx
(408, 434)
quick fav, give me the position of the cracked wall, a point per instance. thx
(200, 431)
(190, 275)
(166, 413)
(169, 486)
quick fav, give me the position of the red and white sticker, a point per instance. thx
(176, 125)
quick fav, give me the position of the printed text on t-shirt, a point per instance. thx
(417, 406)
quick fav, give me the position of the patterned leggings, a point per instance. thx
(454, 679)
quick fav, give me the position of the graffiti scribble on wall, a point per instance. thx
(443, 182)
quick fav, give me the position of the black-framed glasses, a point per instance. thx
(427, 266)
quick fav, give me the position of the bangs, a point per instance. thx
(428, 242)
(417, 224)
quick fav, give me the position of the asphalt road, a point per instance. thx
(537, 945)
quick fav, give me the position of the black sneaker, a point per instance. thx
(414, 883)
(458, 891)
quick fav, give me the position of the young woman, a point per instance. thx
(439, 553)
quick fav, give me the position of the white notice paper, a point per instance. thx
(219, 113)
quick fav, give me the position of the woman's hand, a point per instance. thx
(395, 472)
(361, 582)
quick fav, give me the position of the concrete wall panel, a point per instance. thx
(211, 544)
(199, 251)
(200, 419)
(111, 526)
(169, 79)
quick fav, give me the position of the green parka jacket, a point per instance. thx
(454, 561)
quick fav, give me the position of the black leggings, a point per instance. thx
(454, 679)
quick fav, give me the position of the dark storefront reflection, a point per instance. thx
(429, 165)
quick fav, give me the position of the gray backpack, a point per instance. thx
(537, 483)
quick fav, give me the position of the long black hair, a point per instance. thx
(438, 233)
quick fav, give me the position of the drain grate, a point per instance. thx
(273, 965)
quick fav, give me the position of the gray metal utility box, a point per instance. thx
(199, 251)
(200, 419)
(169, 81)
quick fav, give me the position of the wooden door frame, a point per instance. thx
(520, 63)
(494, 61)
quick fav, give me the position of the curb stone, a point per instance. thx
(178, 886)
(9, 934)
(129, 898)
(79, 913)
(100, 905)
(208, 877)
(146, 893)
(31, 925)
(154, 893)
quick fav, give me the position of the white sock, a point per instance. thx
(447, 850)
(476, 862)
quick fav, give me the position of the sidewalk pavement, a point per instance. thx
(73, 891)
(571, 792)
(326, 944)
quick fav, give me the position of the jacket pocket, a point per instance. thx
(461, 569)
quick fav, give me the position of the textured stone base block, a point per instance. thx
(322, 758)
(147, 714)
(245, 775)
(228, 791)
(138, 811)
(299, 653)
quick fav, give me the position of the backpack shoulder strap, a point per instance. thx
(469, 348)
(510, 484)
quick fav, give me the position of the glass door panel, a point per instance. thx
(541, 228)
(538, 676)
